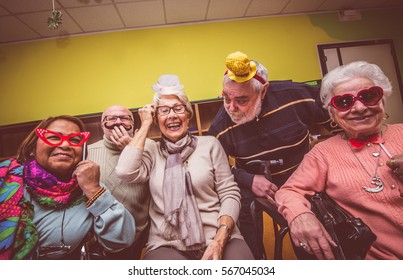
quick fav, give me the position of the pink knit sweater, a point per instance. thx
(332, 166)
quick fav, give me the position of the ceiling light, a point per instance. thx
(55, 18)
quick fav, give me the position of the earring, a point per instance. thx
(386, 116)
(333, 124)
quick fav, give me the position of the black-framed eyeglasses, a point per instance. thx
(122, 118)
(165, 110)
(369, 97)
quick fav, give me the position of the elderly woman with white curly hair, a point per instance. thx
(360, 169)
(195, 201)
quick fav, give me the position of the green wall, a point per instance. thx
(84, 74)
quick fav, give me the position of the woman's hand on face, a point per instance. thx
(307, 232)
(87, 174)
(396, 164)
(147, 114)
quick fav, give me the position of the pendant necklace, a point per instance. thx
(375, 180)
(62, 248)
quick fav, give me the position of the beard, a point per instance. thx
(244, 117)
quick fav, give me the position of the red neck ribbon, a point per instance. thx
(358, 142)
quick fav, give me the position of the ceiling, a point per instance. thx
(26, 20)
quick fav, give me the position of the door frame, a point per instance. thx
(322, 58)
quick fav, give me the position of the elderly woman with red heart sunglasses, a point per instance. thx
(51, 200)
(360, 169)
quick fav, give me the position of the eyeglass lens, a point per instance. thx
(55, 139)
(368, 97)
(165, 110)
(123, 118)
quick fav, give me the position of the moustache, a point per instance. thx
(126, 127)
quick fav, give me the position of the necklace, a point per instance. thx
(375, 180)
(56, 249)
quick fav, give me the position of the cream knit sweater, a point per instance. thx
(135, 197)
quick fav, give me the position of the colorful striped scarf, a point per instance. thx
(48, 190)
(18, 234)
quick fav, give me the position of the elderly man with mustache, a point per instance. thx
(118, 125)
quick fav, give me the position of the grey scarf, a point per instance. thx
(182, 217)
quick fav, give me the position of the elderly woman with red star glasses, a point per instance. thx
(51, 198)
(360, 169)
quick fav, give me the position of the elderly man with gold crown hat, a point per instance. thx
(265, 121)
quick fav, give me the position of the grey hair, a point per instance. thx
(256, 85)
(353, 70)
(180, 95)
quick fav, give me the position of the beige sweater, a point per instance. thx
(215, 190)
(135, 197)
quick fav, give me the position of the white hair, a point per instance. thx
(353, 70)
(169, 85)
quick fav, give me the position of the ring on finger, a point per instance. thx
(392, 163)
(303, 245)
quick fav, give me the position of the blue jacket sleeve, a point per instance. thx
(114, 226)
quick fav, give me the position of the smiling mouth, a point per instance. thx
(362, 118)
(174, 126)
(62, 156)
